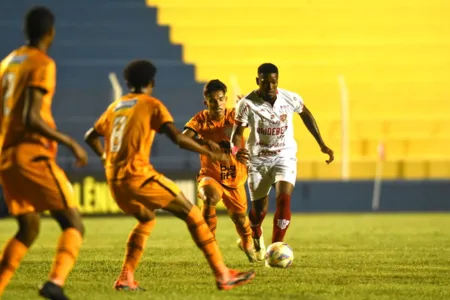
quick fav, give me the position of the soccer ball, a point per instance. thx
(279, 255)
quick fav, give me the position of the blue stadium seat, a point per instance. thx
(95, 39)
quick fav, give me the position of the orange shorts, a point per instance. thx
(35, 186)
(154, 191)
(234, 199)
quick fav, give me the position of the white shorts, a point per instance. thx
(263, 173)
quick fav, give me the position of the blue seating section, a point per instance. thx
(95, 38)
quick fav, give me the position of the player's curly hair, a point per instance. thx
(267, 68)
(213, 86)
(139, 73)
(39, 21)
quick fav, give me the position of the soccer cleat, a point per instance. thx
(126, 282)
(125, 285)
(249, 252)
(235, 279)
(260, 248)
(51, 291)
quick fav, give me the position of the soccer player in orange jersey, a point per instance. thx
(31, 179)
(216, 181)
(129, 126)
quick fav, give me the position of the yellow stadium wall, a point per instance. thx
(393, 56)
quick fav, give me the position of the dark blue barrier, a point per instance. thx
(356, 196)
(93, 195)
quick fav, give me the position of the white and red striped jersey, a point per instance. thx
(271, 127)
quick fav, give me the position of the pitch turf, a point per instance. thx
(363, 256)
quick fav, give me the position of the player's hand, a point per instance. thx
(239, 97)
(213, 146)
(79, 153)
(220, 156)
(328, 151)
(242, 155)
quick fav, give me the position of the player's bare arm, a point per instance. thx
(313, 128)
(185, 142)
(204, 142)
(33, 121)
(237, 138)
(92, 138)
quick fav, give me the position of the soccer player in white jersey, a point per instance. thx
(271, 150)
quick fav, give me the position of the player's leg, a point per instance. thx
(69, 244)
(67, 251)
(245, 241)
(52, 191)
(135, 249)
(256, 216)
(16, 189)
(16, 248)
(210, 191)
(136, 243)
(285, 172)
(160, 192)
(260, 182)
(225, 278)
(235, 200)
(137, 238)
(282, 217)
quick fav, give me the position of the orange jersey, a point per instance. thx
(129, 126)
(26, 67)
(219, 132)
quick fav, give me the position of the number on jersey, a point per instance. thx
(117, 133)
(8, 90)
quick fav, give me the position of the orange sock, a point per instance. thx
(206, 242)
(245, 232)
(135, 247)
(66, 254)
(13, 254)
(209, 214)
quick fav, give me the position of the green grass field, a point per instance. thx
(360, 256)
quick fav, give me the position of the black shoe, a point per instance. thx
(52, 291)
